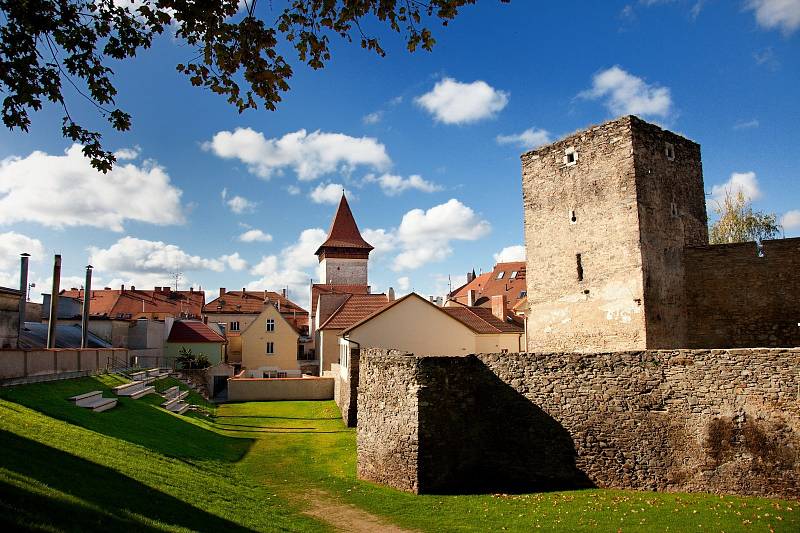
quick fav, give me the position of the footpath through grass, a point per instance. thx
(255, 467)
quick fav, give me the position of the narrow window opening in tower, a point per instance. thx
(570, 156)
(669, 150)
(579, 265)
(674, 209)
(572, 218)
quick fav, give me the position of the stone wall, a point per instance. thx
(738, 298)
(688, 420)
(345, 390)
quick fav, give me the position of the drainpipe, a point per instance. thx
(51, 329)
(87, 296)
(23, 293)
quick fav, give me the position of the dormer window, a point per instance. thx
(570, 156)
(500, 275)
(513, 275)
(669, 151)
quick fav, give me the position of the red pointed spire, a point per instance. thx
(344, 234)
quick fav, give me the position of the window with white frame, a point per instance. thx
(234, 326)
(500, 275)
(270, 348)
(514, 274)
(270, 324)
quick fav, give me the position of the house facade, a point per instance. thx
(196, 336)
(270, 346)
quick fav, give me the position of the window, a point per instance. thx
(500, 275)
(669, 150)
(579, 264)
(270, 324)
(513, 275)
(234, 326)
(674, 209)
(573, 219)
(570, 156)
(270, 348)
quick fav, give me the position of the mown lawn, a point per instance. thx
(254, 466)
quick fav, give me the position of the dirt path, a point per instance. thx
(346, 517)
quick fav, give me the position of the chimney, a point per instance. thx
(122, 288)
(283, 293)
(471, 297)
(221, 291)
(499, 306)
(87, 291)
(470, 276)
(243, 292)
(23, 293)
(390, 295)
(166, 290)
(51, 326)
(133, 288)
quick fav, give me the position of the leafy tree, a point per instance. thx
(738, 222)
(46, 43)
(188, 360)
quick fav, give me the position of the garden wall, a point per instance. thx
(686, 420)
(269, 389)
(28, 363)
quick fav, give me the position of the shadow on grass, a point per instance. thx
(118, 495)
(281, 417)
(139, 421)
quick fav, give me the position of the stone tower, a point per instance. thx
(343, 257)
(608, 213)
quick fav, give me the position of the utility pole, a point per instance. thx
(51, 325)
(177, 277)
(87, 296)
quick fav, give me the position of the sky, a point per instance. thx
(426, 145)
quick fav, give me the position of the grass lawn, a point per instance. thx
(258, 466)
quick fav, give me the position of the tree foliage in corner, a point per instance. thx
(45, 44)
(738, 222)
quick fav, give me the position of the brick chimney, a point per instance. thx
(167, 290)
(499, 308)
(122, 288)
(283, 293)
(222, 291)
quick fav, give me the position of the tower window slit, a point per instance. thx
(579, 265)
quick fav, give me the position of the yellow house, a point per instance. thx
(414, 324)
(270, 346)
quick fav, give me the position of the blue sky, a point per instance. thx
(724, 73)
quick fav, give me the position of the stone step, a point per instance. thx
(102, 404)
(144, 392)
(83, 400)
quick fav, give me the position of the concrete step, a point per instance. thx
(103, 404)
(144, 392)
(84, 400)
(183, 409)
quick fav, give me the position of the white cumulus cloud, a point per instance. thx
(238, 204)
(425, 236)
(403, 283)
(746, 182)
(392, 185)
(255, 235)
(12, 244)
(234, 261)
(777, 14)
(530, 138)
(309, 155)
(327, 193)
(791, 220)
(626, 94)
(301, 253)
(454, 102)
(510, 253)
(383, 241)
(64, 190)
(145, 262)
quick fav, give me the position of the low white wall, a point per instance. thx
(24, 363)
(260, 389)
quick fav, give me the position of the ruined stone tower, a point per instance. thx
(608, 213)
(344, 256)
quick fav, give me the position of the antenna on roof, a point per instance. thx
(177, 277)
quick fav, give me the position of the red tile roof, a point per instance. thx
(320, 288)
(488, 284)
(131, 304)
(354, 309)
(190, 331)
(253, 302)
(344, 231)
(481, 320)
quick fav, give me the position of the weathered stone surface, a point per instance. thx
(684, 420)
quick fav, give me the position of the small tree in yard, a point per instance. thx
(188, 360)
(738, 222)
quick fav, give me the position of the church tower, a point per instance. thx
(343, 257)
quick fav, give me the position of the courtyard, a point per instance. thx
(276, 466)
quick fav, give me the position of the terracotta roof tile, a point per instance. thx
(344, 231)
(131, 304)
(251, 302)
(481, 320)
(489, 284)
(320, 288)
(354, 309)
(192, 331)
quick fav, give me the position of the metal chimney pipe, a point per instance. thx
(87, 296)
(51, 326)
(23, 293)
